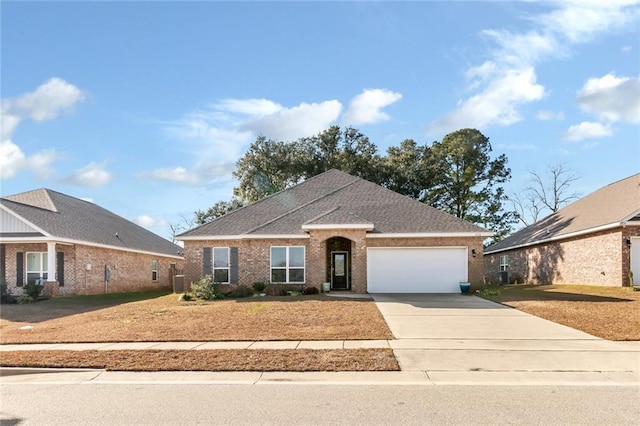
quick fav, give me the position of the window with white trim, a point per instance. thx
(504, 263)
(221, 265)
(154, 270)
(36, 266)
(287, 264)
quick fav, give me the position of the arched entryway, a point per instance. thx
(339, 263)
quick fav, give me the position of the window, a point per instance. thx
(36, 266)
(221, 265)
(287, 264)
(154, 270)
(504, 263)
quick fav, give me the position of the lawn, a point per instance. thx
(141, 317)
(612, 313)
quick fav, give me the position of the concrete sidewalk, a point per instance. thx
(283, 344)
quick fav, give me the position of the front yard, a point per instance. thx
(612, 313)
(140, 317)
(144, 317)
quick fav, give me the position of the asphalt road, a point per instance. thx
(176, 404)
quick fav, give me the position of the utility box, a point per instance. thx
(178, 283)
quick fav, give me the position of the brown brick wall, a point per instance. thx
(130, 272)
(254, 256)
(599, 258)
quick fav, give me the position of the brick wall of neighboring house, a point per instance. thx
(475, 264)
(599, 258)
(130, 272)
(254, 256)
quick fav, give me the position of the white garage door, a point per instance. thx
(635, 259)
(416, 270)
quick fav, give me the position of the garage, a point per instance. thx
(416, 269)
(635, 259)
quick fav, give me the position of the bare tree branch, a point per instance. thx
(547, 192)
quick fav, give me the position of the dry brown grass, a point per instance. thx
(161, 317)
(209, 360)
(612, 313)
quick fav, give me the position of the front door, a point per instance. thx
(339, 270)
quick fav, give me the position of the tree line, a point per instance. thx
(458, 175)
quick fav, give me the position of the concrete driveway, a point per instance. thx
(450, 333)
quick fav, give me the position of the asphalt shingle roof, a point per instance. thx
(68, 218)
(609, 205)
(333, 196)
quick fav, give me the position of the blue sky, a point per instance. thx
(144, 107)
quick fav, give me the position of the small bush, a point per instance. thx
(33, 290)
(488, 291)
(206, 289)
(24, 299)
(311, 290)
(185, 297)
(275, 290)
(259, 286)
(5, 296)
(242, 291)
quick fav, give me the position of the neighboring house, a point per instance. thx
(77, 247)
(342, 230)
(595, 240)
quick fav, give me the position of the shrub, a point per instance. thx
(311, 290)
(275, 290)
(24, 298)
(5, 296)
(33, 290)
(488, 291)
(185, 297)
(242, 291)
(259, 286)
(206, 289)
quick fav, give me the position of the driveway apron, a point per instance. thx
(462, 333)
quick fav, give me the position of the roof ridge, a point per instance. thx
(356, 179)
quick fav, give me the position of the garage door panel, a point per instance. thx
(416, 270)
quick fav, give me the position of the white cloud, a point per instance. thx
(498, 103)
(296, 122)
(147, 221)
(551, 34)
(366, 108)
(550, 115)
(587, 130)
(46, 102)
(93, 175)
(626, 49)
(177, 174)
(612, 98)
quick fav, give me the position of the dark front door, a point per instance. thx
(339, 270)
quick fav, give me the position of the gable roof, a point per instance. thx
(51, 215)
(333, 198)
(611, 206)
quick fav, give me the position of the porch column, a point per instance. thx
(51, 261)
(51, 285)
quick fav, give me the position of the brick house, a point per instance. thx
(595, 240)
(338, 229)
(73, 247)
